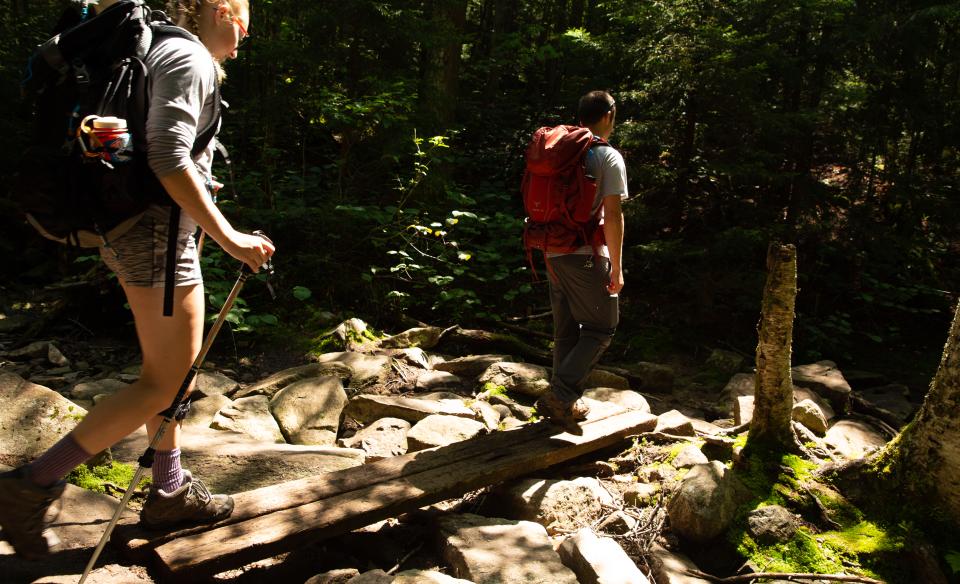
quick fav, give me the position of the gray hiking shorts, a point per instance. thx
(142, 259)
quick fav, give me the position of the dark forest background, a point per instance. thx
(380, 143)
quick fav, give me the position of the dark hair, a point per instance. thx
(593, 106)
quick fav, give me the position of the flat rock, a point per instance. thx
(367, 408)
(308, 411)
(471, 365)
(33, 418)
(675, 423)
(251, 416)
(437, 380)
(229, 462)
(441, 430)
(491, 550)
(424, 337)
(216, 383)
(91, 389)
(599, 560)
(854, 439)
(690, 455)
(381, 439)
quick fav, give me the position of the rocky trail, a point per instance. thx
(643, 510)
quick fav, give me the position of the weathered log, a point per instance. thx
(334, 510)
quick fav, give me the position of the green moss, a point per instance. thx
(94, 479)
(491, 388)
(865, 537)
(740, 441)
(800, 554)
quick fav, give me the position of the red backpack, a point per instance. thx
(558, 194)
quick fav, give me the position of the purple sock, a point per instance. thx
(54, 464)
(167, 472)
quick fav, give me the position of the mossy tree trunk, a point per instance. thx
(770, 428)
(924, 460)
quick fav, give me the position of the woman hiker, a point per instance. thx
(183, 75)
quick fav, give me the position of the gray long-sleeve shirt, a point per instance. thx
(183, 78)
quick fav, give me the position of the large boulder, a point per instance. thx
(824, 378)
(494, 551)
(811, 416)
(675, 424)
(364, 369)
(308, 411)
(32, 419)
(440, 430)
(706, 503)
(274, 383)
(250, 416)
(890, 402)
(652, 376)
(524, 378)
(772, 524)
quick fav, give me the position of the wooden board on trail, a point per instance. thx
(282, 517)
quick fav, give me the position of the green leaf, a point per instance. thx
(301, 293)
(953, 559)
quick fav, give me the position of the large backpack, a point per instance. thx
(95, 66)
(558, 194)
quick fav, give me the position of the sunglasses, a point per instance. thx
(244, 35)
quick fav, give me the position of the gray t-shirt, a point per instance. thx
(183, 79)
(607, 166)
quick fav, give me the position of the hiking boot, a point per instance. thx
(191, 503)
(563, 414)
(26, 511)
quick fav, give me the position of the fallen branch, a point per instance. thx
(778, 576)
(404, 559)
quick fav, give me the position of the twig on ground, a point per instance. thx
(405, 558)
(537, 316)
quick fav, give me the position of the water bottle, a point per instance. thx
(110, 138)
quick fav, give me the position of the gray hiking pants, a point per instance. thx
(585, 316)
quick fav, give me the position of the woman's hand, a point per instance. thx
(252, 250)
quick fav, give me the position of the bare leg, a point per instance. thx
(169, 346)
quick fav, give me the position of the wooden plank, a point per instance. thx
(235, 545)
(136, 541)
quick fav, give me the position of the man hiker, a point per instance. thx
(585, 283)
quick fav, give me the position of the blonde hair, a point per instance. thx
(186, 14)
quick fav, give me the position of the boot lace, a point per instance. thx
(201, 491)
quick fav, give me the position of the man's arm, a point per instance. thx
(613, 226)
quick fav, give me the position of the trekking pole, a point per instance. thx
(178, 409)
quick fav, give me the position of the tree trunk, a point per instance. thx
(771, 427)
(924, 460)
(440, 64)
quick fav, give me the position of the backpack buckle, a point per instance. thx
(80, 74)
